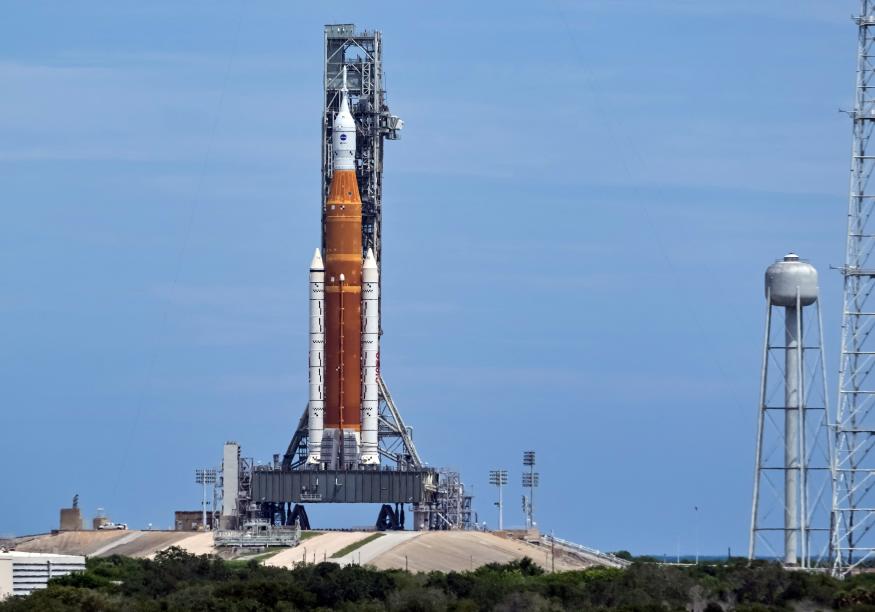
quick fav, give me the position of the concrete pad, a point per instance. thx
(129, 543)
(419, 551)
(447, 551)
(198, 544)
(128, 537)
(71, 542)
(145, 544)
(318, 548)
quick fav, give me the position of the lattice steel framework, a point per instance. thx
(396, 440)
(453, 507)
(853, 512)
(362, 55)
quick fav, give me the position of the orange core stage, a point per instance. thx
(343, 302)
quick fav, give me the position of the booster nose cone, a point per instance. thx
(370, 262)
(317, 264)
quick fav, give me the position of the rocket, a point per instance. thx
(344, 321)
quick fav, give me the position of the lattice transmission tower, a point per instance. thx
(853, 514)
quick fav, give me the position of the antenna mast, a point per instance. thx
(853, 513)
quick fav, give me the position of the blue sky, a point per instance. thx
(577, 220)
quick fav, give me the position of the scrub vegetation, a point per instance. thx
(177, 580)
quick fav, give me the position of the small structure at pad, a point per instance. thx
(71, 518)
(258, 534)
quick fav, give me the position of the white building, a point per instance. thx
(21, 573)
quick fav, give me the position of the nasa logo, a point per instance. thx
(343, 138)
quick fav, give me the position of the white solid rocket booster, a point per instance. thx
(316, 358)
(370, 358)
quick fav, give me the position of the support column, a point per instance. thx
(791, 436)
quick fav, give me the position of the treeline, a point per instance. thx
(176, 580)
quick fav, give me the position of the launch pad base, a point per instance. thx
(344, 486)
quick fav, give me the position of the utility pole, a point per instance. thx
(531, 479)
(526, 512)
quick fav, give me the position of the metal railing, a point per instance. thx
(275, 536)
(604, 557)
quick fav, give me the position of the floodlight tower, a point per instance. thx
(499, 479)
(792, 522)
(531, 479)
(854, 462)
(204, 477)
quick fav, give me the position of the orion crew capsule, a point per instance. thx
(343, 431)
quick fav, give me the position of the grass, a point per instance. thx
(266, 555)
(356, 545)
(306, 535)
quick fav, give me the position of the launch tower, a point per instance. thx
(351, 444)
(360, 54)
(354, 60)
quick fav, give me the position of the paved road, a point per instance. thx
(375, 548)
(316, 549)
(466, 550)
(125, 539)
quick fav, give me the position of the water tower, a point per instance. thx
(792, 489)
